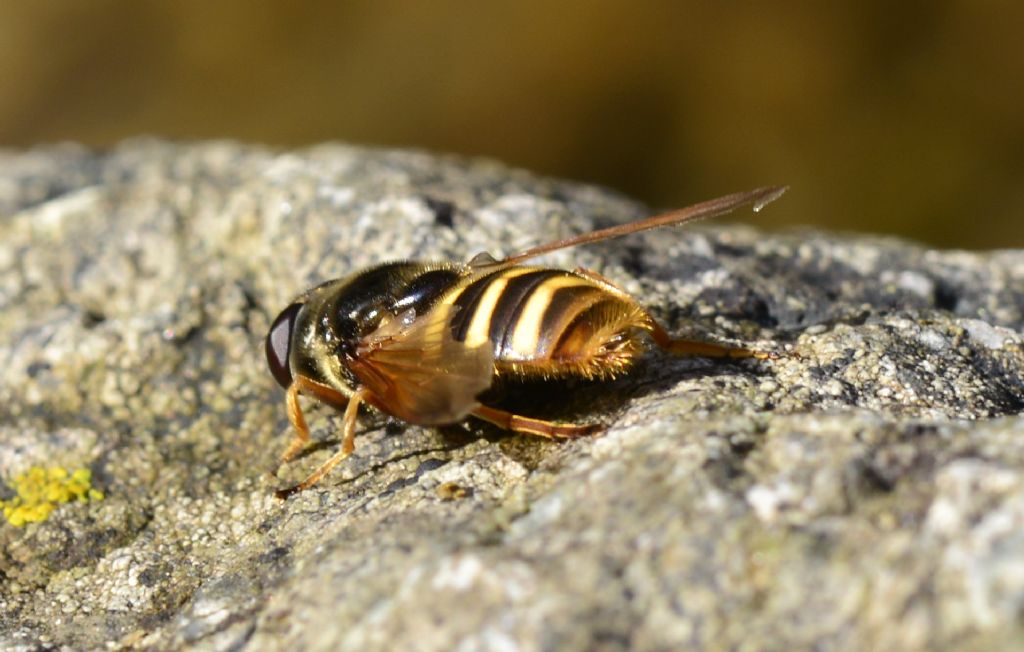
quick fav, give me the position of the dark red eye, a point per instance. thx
(279, 344)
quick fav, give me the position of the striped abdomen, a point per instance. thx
(546, 321)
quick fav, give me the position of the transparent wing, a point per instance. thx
(759, 198)
(418, 372)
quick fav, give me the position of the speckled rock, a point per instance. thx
(865, 490)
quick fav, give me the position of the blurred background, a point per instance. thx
(902, 118)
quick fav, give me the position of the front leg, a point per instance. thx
(298, 421)
(348, 445)
(304, 385)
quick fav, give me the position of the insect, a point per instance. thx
(421, 341)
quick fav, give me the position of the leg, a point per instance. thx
(528, 425)
(348, 445)
(298, 422)
(303, 385)
(702, 349)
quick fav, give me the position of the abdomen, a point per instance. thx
(547, 322)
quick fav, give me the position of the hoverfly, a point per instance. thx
(421, 341)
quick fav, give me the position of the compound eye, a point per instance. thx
(279, 344)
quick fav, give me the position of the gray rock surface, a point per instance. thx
(863, 491)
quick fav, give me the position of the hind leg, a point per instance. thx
(642, 319)
(701, 349)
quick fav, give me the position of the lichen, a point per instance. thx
(40, 490)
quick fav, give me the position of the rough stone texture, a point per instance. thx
(864, 491)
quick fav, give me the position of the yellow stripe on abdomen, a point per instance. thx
(479, 298)
(480, 321)
(527, 337)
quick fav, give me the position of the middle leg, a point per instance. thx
(529, 425)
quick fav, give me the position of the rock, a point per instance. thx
(865, 490)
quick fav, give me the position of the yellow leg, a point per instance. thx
(303, 385)
(702, 349)
(348, 445)
(298, 422)
(531, 426)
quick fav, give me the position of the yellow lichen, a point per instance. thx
(41, 490)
